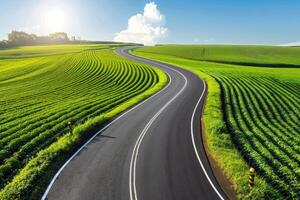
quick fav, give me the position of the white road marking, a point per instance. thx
(132, 168)
(195, 147)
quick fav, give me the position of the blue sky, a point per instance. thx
(194, 21)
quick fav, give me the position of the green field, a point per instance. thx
(44, 87)
(252, 114)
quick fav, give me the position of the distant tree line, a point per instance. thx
(20, 38)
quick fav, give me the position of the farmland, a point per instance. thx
(42, 88)
(252, 114)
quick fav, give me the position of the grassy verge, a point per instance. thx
(32, 180)
(219, 142)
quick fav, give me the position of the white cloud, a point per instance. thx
(147, 28)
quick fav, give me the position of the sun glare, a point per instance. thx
(55, 20)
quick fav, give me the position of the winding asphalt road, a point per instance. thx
(152, 152)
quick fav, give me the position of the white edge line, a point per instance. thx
(194, 144)
(96, 134)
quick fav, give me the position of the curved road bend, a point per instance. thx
(148, 153)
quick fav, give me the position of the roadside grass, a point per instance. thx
(249, 120)
(40, 94)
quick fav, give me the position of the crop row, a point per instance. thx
(38, 103)
(263, 118)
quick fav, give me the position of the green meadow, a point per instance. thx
(252, 113)
(42, 88)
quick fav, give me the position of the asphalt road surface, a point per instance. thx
(152, 152)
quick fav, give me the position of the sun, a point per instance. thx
(55, 20)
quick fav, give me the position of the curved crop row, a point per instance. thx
(255, 111)
(43, 94)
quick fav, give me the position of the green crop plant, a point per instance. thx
(42, 88)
